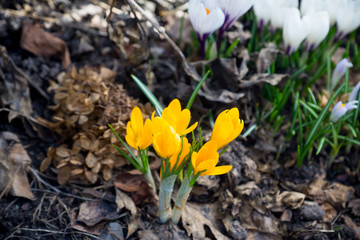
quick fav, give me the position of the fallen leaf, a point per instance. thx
(348, 221)
(123, 200)
(339, 194)
(14, 164)
(330, 212)
(93, 212)
(355, 206)
(128, 182)
(96, 230)
(194, 222)
(260, 78)
(44, 44)
(266, 57)
(113, 231)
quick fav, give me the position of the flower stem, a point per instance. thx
(181, 200)
(166, 188)
(149, 178)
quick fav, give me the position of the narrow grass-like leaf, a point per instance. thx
(328, 68)
(122, 142)
(148, 94)
(323, 114)
(294, 114)
(311, 111)
(311, 96)
(196, 90)
(232, 46)
(134, 163)
(353, 141)
(315, 106)
(252, 128)
(321, 145)
(352, 130)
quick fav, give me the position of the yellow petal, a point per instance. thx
(185, 150)
(218, 170)
(130, 136)
(207, 165)
(207, 151)
(190, 129)
(137, 121)
(146, 136)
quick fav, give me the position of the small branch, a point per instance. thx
(187, 68)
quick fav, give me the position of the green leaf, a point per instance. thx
(196, 90)
(321, 145)
(311, 111)
(232, 46)
(148, 94)
(350, 140)
(320, 119)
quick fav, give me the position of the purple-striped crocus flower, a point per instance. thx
(206, 17)
(340, 109)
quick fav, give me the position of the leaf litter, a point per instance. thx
(259, 199)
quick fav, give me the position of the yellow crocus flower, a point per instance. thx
(177, 118)
(185, 150)
(227, 127)
(207, 159)
(138, 134)
(166, 141)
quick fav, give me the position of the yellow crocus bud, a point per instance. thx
(185, 150)
(227, 127)
(207, 159)
(138, 134)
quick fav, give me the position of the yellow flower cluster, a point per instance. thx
(168, 136)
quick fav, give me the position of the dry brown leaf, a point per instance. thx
(123, 200)
(93, 212)
(128, 182)
(14, 163)
(194, 222)
(352, 225)
(266, 57)
(339, 194)
(44, 44)
(330, 212)
(64, 175)
(355, 206)
(96, 230)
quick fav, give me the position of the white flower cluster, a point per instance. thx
(207, 16)
(311, 22)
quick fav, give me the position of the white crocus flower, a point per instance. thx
(354, 92)
(339, 72)
(295, 29)
(277, 16)
(347, 17)
(319, 28)
(206, 17)
(331, 7)
(233, 9)
(263, 10)
(340, 109)
(307, 5)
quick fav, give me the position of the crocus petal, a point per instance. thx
(263, 10)
(185, 150)
(207, 165)
(332, 8)
(277, 17)
(203, 22)
(354, 93)
(218, 170)
(319, 28)
(233, 9)
(136, 120)
(146, 136)
(347, 17)
(339, 72)
(177, 118)
(316, 5)
(295, 29)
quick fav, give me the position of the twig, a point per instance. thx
(57, 191)
(56, 232)
(187, 68)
